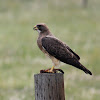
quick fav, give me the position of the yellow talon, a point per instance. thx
(51, 70)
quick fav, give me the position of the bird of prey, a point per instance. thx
(56, 50)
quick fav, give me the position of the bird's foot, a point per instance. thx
(52, 71)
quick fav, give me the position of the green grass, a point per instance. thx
(20, 57)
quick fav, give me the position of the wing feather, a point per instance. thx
(73, 52)
(58, 49)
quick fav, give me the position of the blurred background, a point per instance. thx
(76, 22)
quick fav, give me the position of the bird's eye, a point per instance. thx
(39, 26)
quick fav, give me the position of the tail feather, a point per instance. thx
(86, 70)
(78, 65)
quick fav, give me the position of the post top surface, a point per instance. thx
(48, 74)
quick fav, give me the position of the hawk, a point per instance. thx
(56, 50)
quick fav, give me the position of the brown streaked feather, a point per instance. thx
(57, 49)
(73, 52)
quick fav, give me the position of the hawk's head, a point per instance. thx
(41, 28)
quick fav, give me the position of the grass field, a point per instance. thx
(20, 57)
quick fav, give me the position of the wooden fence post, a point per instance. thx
(49, 86)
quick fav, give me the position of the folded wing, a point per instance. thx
(58, 49)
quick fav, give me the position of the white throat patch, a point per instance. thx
(38, 31)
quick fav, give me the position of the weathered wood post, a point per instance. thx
(49, 86)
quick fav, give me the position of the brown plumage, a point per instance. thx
(56, 49)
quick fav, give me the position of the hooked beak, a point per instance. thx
(35, 28)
